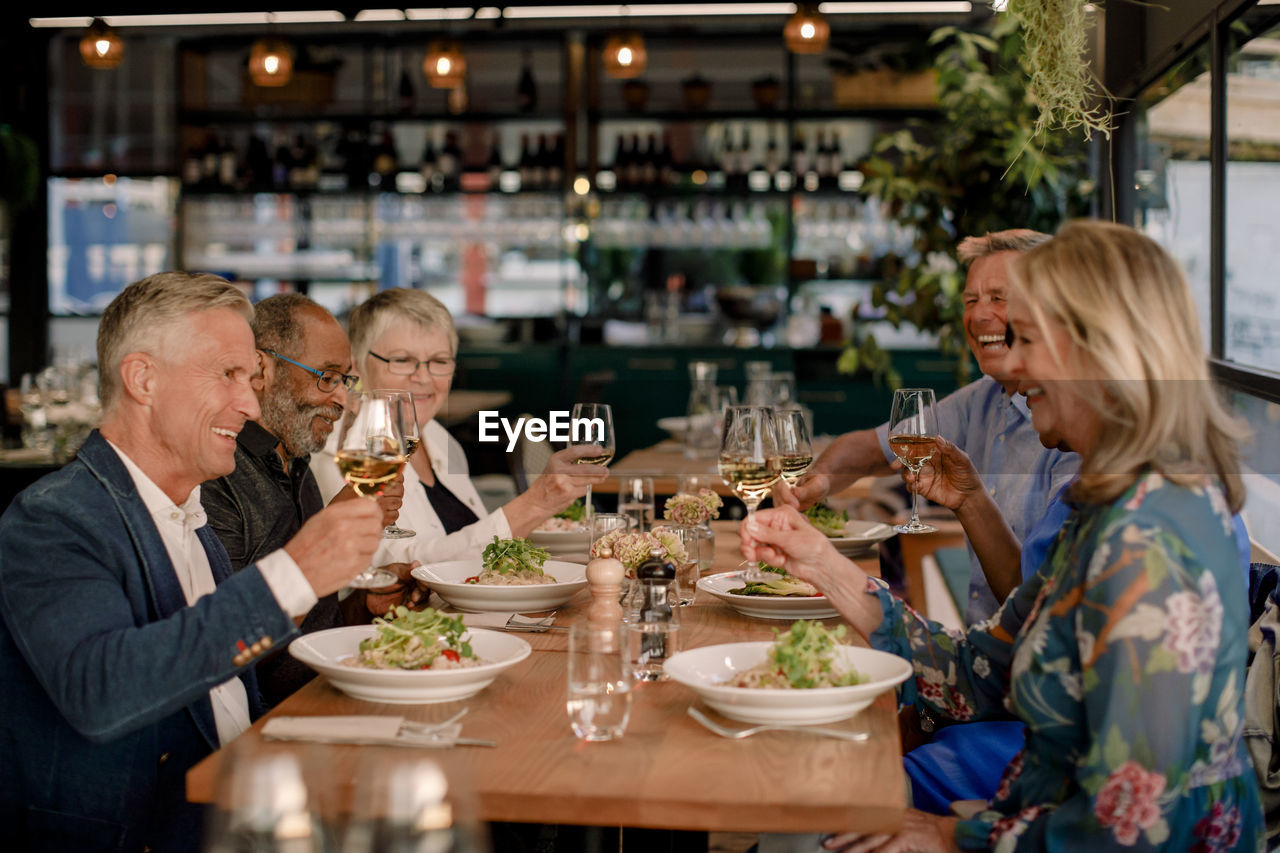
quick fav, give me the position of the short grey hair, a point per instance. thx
(1012, 240)
(278, 321)
(374, 316)
(140, 315)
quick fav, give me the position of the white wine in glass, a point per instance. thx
(371, 452)
(913, 433)
(592, 423)
(749, 460)
(794, 446)
(407, 418)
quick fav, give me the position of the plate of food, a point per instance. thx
(564, 534)
(805, 677)
(416, 657)
(783, 597)
(511, 574)
(850, 537)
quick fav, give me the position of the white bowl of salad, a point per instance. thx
(416, 658)
(512, 574)
(565, 534)
(783, 597)
(850, 537)
(805, 677)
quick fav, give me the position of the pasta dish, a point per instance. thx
(512, 562)
(426, 639)
(803, 657)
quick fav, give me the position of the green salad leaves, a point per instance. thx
(576, 511)
(827, 520)
(805, 656)
(784, 584)
(513, 556)
(414, 639)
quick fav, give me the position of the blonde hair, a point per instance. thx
(371, 319)
(1128, 312)
(141, 315)
(1013, 240)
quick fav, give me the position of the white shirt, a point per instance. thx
(177, 526)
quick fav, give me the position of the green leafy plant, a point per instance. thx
(979, 166)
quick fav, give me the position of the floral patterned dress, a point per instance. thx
(1125, 657)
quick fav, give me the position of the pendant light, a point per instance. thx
(624, 55)
(807, 31)
(445, 66)
(101, 47)
(270, 62)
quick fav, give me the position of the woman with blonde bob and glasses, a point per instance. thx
(405, 339)
(1125, 654)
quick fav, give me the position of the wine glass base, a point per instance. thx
(917, 527)
(393, 532)
(372, 579)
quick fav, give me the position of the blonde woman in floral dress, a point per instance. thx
(1125, 654)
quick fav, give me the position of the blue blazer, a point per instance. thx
(105, 670)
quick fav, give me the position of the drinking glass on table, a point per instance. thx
(408, 418)
(635, 500)
(749, 460)
(794, 445)
(690, 484)
(913, 433)
(371, 453)
(599, 694)
(688, 570)
(592, 423)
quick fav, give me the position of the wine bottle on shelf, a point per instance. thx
(772, 158)
(729, 158)
(525, 164)
(280, 166)
(649, 163)
(822, 157)
(799, 155)
(607, 175)
(353, 151)
(494, 167)
(406, 93)
(209, 163)
(428, 168)
(538, 169)
(450, 161)
(385, 163)
(635, 167)
(257, 163)
(555, 162)
(228, 165)
(758, 178)
(526, 88)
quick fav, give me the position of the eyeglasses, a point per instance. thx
(326, 380)
(403, 365)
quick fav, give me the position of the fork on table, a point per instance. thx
(739, 733)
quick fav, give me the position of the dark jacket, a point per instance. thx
(104, 670)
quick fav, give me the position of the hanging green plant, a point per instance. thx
(971, 170)
(1055, 56)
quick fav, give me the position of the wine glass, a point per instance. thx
(749, 459)
(592, 423)
(913, 433)
(371, 451)
(794, 445)
(408, 419)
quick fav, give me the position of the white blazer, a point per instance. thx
(431, 545)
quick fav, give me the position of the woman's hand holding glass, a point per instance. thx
(948, 479)
(407, 421)
(783, 537)
(749, 460)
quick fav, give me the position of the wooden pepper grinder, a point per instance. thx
(604, 578)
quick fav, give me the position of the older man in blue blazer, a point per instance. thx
(126, 644)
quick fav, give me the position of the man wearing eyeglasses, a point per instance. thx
(305, 363)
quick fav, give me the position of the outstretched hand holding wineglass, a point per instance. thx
(913, 433)
(592, 423)
(371, 452)
(749, 460)
(794, 445)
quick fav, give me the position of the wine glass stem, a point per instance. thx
(915, 502)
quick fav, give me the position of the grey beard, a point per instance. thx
(290, 422)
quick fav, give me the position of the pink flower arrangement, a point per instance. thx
(1129, 801)
(631, 548)
(693, 509)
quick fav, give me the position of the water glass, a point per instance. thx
(635, 500)
(688, 570)
(599, 700)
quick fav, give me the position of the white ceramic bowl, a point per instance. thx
(563, 543)
(446, 579)
(705, 669)
(324, 652)
(677, 426)
(766, 606)
(860, 536)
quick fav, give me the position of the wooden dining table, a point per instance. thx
(667, 771)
